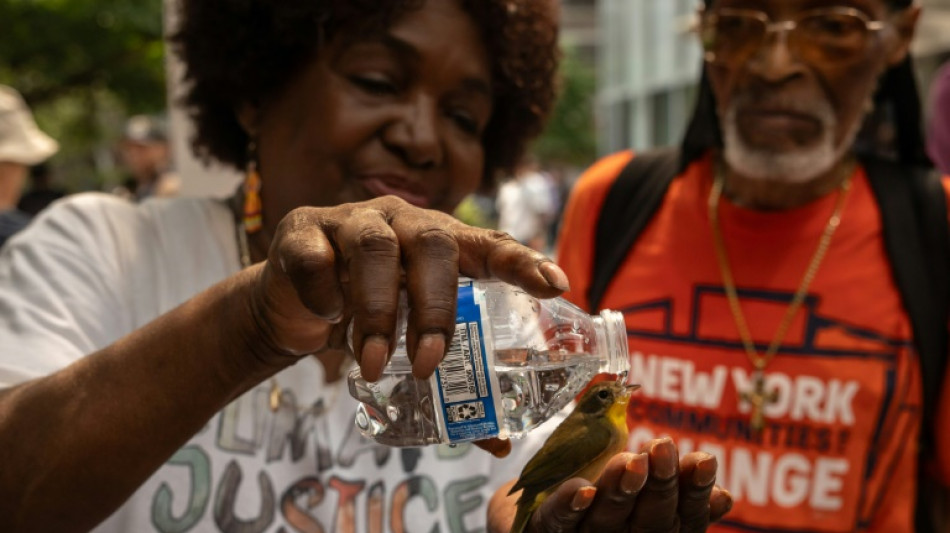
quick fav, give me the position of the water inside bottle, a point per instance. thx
(398, 409)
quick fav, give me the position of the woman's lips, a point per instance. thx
(382, 185)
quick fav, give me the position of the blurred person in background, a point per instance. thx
(527, 205)
(22, 145)
(144, 154)
(180, 365)
(41, 191)
(938, 130)
(786, 297)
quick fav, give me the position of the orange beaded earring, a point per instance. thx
(252, 192)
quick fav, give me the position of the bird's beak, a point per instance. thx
(627, 391)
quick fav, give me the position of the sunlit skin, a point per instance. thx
(399, 114)
(775, 75)
(12, 178)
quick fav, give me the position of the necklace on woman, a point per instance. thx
(758, 397)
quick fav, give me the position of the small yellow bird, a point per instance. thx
(579, 447)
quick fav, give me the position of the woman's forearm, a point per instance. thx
(75, 444)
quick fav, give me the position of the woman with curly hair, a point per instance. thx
(176, 365)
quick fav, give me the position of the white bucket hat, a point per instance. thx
(21, 140)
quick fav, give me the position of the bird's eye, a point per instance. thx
(604, 394)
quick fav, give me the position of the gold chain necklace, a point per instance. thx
(758, 397)
(244, 253)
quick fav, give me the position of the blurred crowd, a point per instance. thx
(27, 180)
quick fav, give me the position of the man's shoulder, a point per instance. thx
(601, 175)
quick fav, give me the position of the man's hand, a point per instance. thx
(654, 490)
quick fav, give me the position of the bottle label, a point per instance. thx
(463, 378)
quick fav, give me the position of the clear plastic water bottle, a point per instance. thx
(513, 363)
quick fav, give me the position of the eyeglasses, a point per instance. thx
(831, 36)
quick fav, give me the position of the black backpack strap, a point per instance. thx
(914, 216)
(630, 204)
(917, 240)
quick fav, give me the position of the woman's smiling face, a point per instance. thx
(401, 113)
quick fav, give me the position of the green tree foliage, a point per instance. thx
(570, 137)
(83, 65)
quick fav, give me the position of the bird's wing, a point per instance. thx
(553, 465)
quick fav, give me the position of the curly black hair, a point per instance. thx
(244, 51)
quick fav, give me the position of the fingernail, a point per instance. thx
(635, 475)
(583, 498)
(664, 459)
(725, 494)
(429, 354)
(705, 472)
(373, 357)
(554, 276)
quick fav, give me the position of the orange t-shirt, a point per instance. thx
(839, 452)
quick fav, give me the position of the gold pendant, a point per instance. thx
(759, 398)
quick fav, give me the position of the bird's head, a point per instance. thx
(599, 398)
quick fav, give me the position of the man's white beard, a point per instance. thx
(794, 166)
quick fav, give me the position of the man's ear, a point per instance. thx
(906, 25)
(248, 115)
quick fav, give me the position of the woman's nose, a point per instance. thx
(415, 134)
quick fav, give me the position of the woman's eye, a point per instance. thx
(465, 122)
(375, 85)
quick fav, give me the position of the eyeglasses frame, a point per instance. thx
(782, 27)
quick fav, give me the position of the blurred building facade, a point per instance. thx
(649, 64)
(580, 29)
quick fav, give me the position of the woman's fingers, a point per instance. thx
(350, 260)
(430, 256)
(372, 257)
(298, 283)
(303, 252)
(487, 254)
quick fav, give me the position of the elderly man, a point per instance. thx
(777, 316)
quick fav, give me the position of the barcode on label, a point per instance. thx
(480, 377)
(456, 374)
(466, 411)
